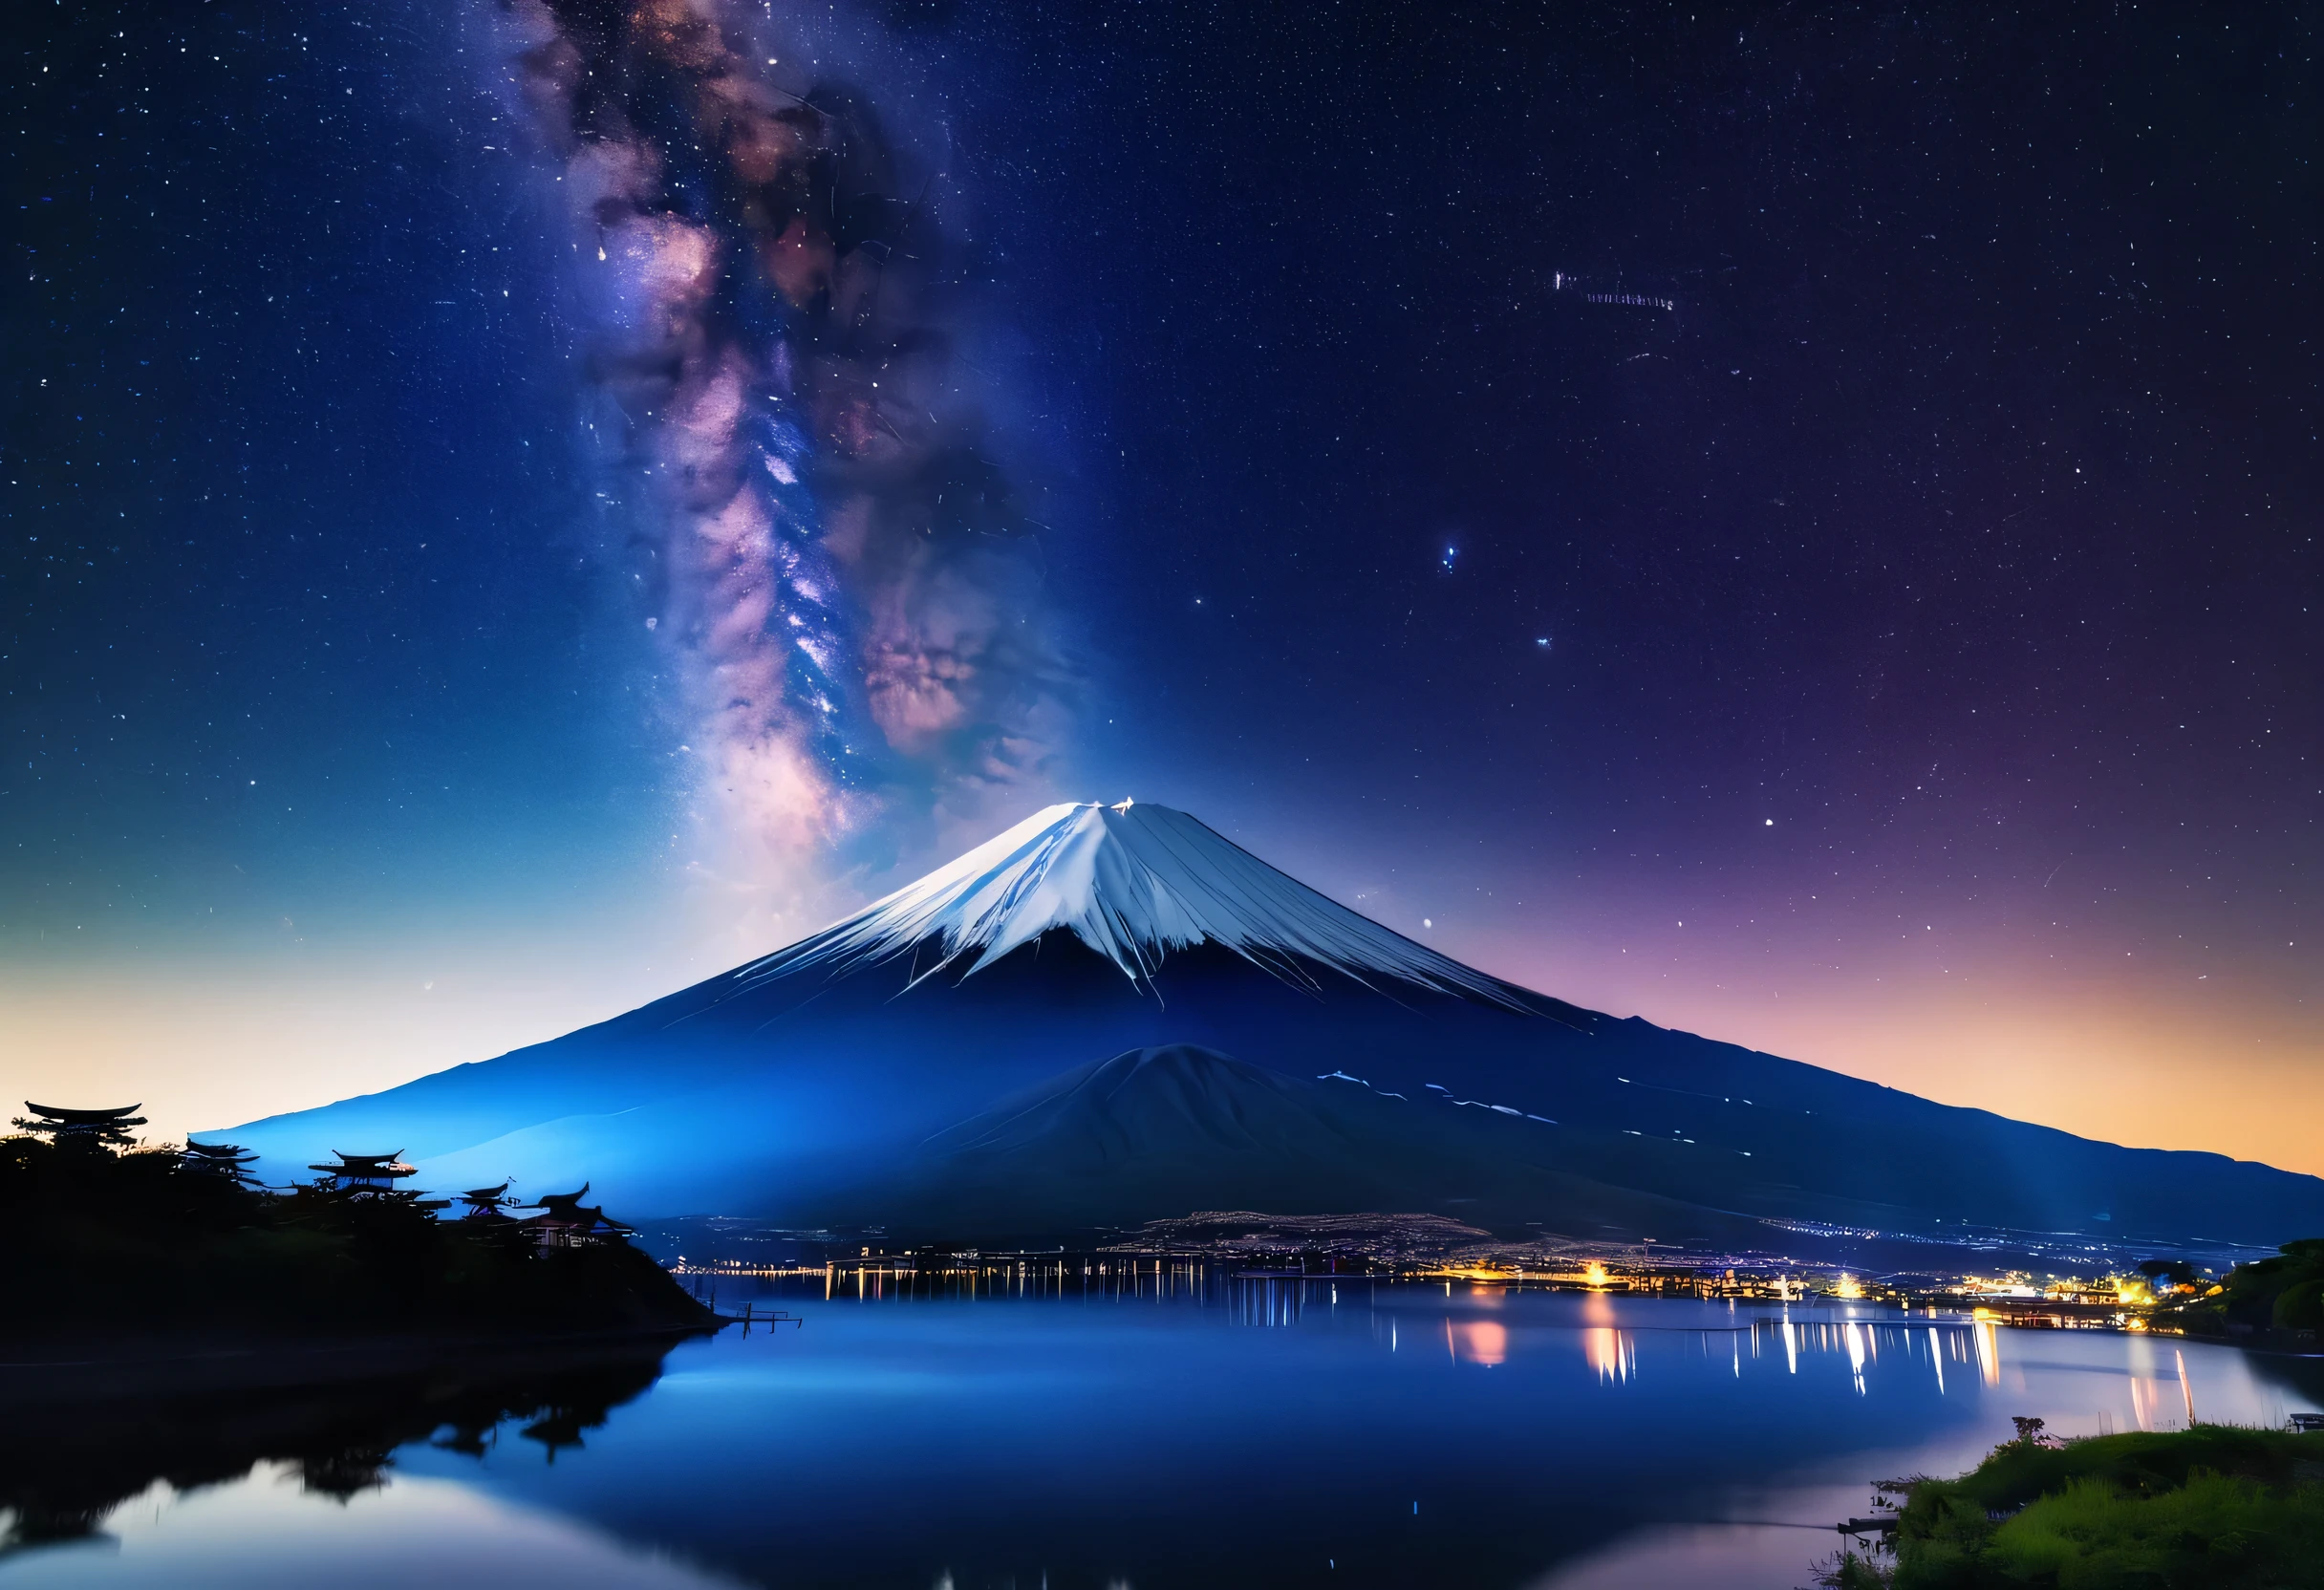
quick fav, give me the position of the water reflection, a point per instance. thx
(71, 1461)
(1484, 1342)
(1609, 1352)
(267, 1530)
(1081, 1423)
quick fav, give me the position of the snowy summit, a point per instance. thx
(1134, 882)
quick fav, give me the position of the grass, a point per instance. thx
(2212, 1507)
(2215, 1528)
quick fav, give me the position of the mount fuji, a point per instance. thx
(1109, 1014)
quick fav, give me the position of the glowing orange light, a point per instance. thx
(1609, 1353)
(1595, 1274)
(1483, 1341)
(1988, 1351)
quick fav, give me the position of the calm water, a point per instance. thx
(1244, 1432)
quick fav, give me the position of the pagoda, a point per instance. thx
(488, 1204)
(366, 1172)
(88, 1129)
(226, 1161)
(372, 1178)
(564, 1223)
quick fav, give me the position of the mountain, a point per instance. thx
(1184, 1127)
(1111, 1014)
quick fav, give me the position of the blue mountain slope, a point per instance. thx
(1185, 1128)
(1088, 933)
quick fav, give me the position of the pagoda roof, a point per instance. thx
(119, 1117)
(593, 1220)
(220, 1151)
(367, 1169)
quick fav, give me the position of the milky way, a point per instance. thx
(845, 581)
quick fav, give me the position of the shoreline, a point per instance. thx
(167, 1363)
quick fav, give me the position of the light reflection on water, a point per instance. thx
(1179, 1426)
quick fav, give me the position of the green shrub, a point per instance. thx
(2282, 1293)
(2213, 1529)
(2300, 1306)
(2204, 1509)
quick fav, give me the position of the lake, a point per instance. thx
(1182, 1427)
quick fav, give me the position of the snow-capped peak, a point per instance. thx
(1134, 882)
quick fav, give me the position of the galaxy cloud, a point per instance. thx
(844, 582)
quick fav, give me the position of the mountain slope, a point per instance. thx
(1093, 932)
(1182, 1127)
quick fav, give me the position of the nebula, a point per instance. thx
(846, 584)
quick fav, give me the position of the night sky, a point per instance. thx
(1800, 526)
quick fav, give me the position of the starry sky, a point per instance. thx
(1795, 523)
